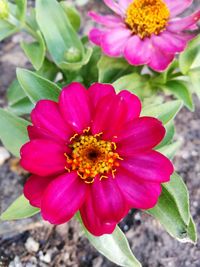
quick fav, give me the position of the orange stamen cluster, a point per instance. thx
(147, 17)
(92, 156)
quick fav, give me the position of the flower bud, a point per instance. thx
(4, 9)
(73, 55)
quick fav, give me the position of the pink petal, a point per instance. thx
(137, 51)
(151, 166)
(63, 198)
(160, 61)
(140, 135)
(93, 224)
(109, 109)
(108, 20)
(74, 106)
(96, 36)
(181, 24)
(114, 6)
(178, 6)
(114, 41)
(43, 157)
(38, 133)
(108, 200)
(170, 42)
(125, 3)
(133, 104)
(46, 115)
(34, 189)
(98, 90)
(139, 195)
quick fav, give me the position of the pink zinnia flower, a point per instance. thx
(145, 31)
(92, 152)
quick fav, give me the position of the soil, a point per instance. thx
(34, 243)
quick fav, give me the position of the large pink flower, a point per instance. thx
(145, 31)
(93, 152)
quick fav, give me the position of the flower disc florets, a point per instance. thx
(92, 156)
(145, 17)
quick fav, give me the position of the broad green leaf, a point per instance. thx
(181, 91)
(48, 70)
(192, 232)
(164, 112)
(19, 209)
(15, 93)
(170, 131)
(21, 9)
(59, 34)
(6, 29)
(134, 82)
(111, 69)
(13, 131)
(195, 80)
(172, 210)
(37, 87)
(35, 51)
(190, 58)
(72, 14)
(114, 246)
(170, 149)
(22, 107)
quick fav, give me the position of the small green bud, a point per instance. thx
(73, 55)
(4, 9)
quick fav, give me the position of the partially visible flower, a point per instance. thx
(93, 152)
(4, 9)
(145, 31)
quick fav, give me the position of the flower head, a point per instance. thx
(145, 31)
(93, 152)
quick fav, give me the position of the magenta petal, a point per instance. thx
(74, 105)
(46, 116)
(137, 51)
(96, 35)
(151, 166)
(34, 189)
(98, 90)
(63, 198)
(43, 157)
(140, 135)
(114, 6)
(91, 221)
(108, 200)
(133, 104)
(114, 41)
(108, 20)
(139, 195)
(181, 24)
(178, 6)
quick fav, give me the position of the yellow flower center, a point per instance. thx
(92, 156)
(147, 17)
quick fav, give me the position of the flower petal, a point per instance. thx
(137, 51)
(133, 104)
(46, 115)
(178, 6)
(43, 157)
(74, 105)
(108, 200)
(114, 41)
(98, 90)
(91, 221)
(151, 166)
(108, 20)
(34, 189)
(139, 135)
(96, 35)
(139, 195)
(63, 198)
(114, 6)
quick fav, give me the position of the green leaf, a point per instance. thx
(192, 232)
(170, 149)
(190, 58)
(170, 131)
(35, 51)
(113, 246)
(59, 34)
(72, 14)
(172, 210)
(36, 87)
(180, 90)
(111, 69)
(19, 209)
(15, 93)
(195, 80)
(48, 70)
(13, 131)
(21, 9)
(164, 112)
(22, 107)
(6, 29)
